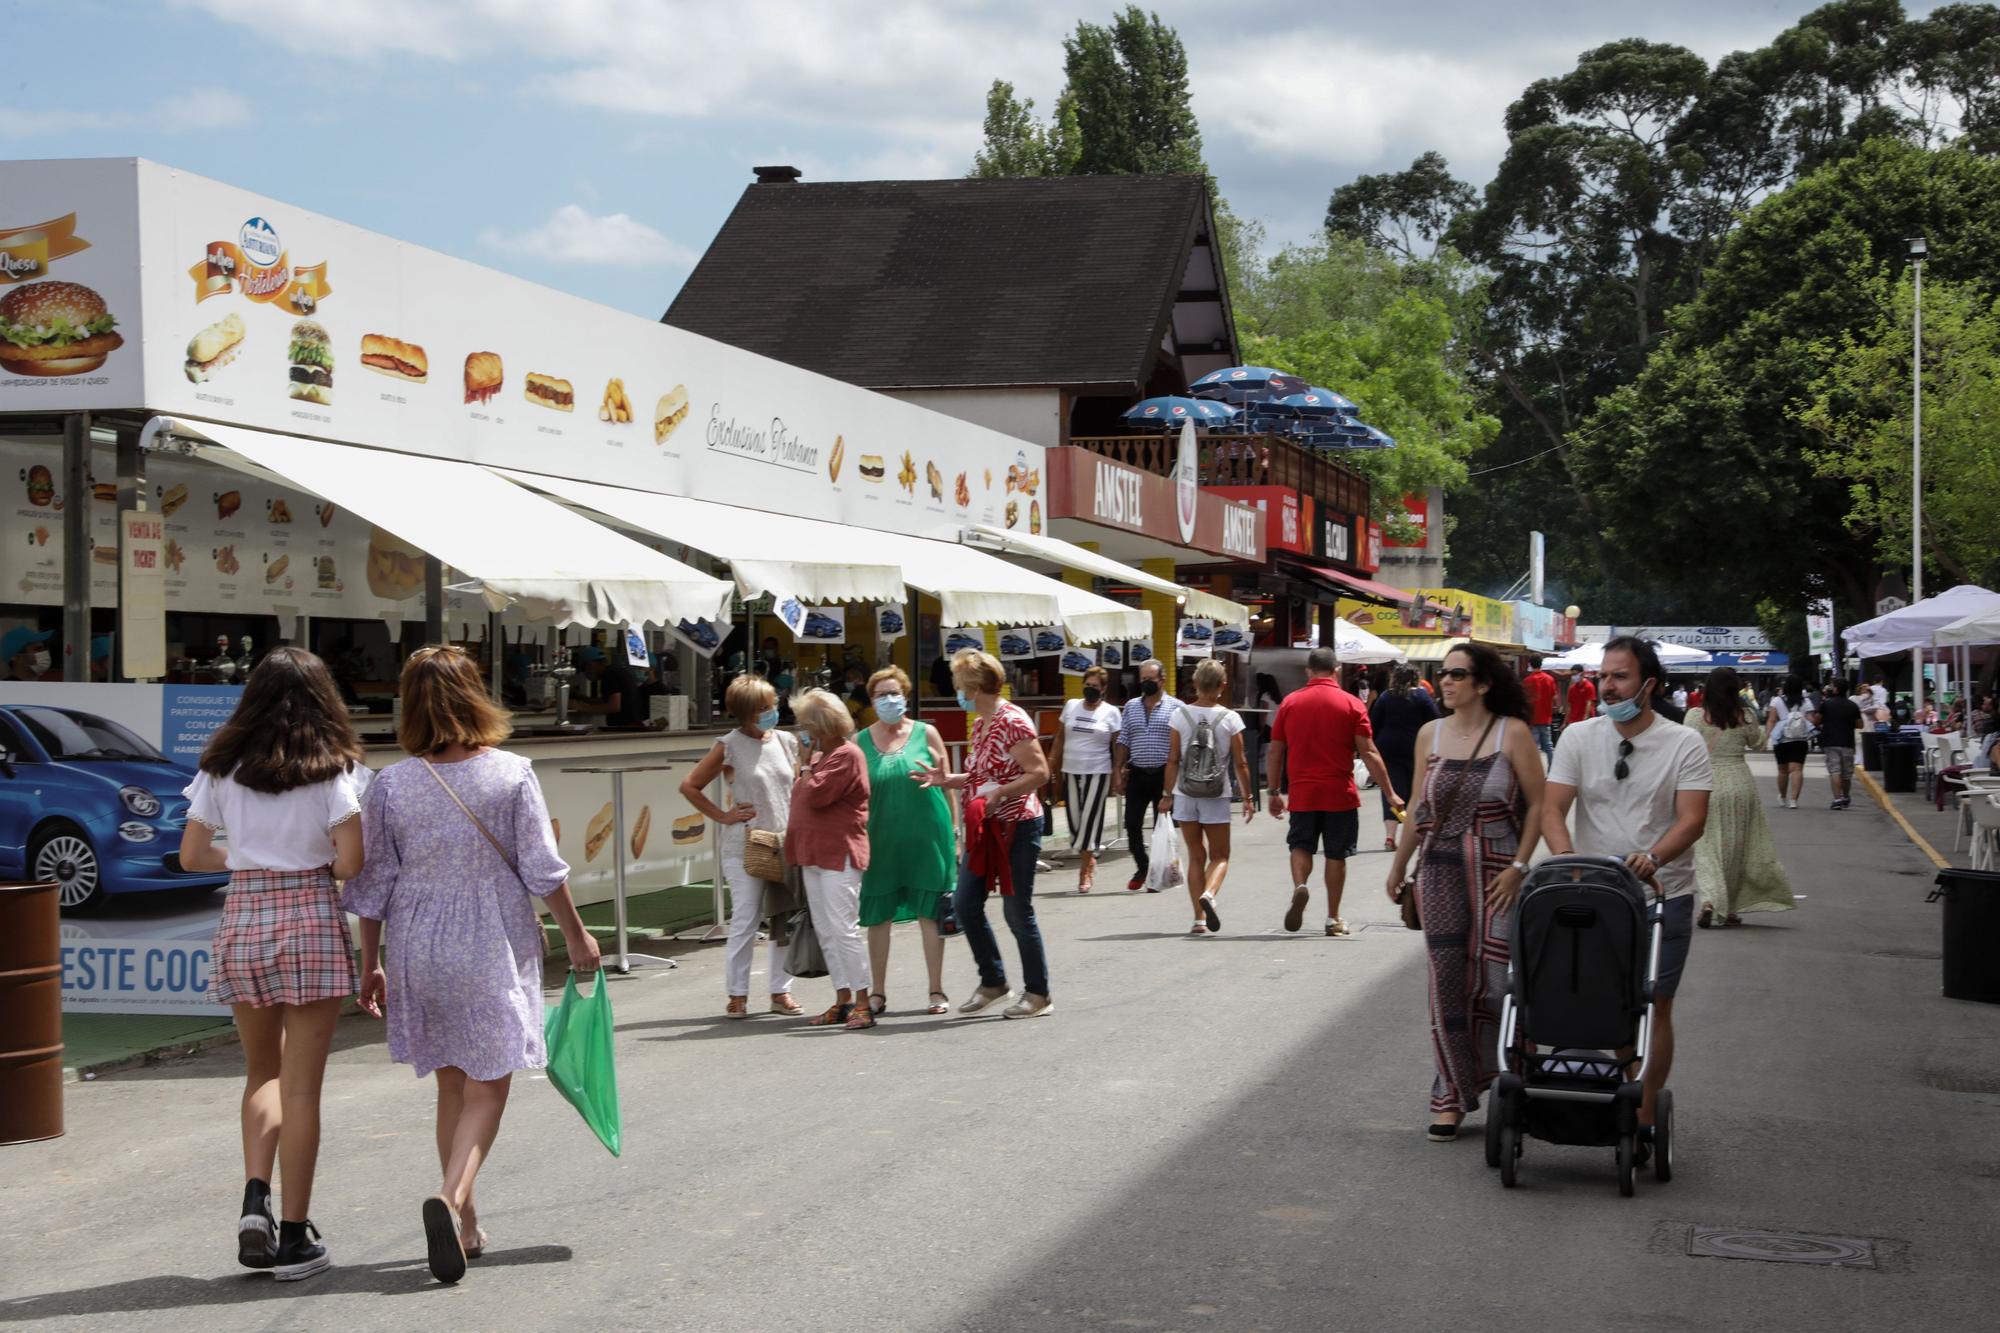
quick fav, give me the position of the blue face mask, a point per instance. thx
(965, 701)
(891, 707)
(767, 719)
(1622, 711)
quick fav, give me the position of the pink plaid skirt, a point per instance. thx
(282, 940)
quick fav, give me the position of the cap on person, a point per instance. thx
(100, 648)
(19, 639)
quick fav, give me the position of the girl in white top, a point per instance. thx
(758, 762)
(281, 780)
(1082, 754)
(1204, 820)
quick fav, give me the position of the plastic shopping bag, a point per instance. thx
(581, 1064)
(1164, 851)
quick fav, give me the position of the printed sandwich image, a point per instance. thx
(214, 347)
(640, 828)
(871, 467)
(548, 391)
(173, 498)
(484, 375)
(597, 833)
(833, 461)
(276, 569)
(311, 355)
(395, 568)
(669, 412)
(55, 328)
(226, 505)
(395, 358)
(687, 831)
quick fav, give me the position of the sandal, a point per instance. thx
(1200, 928)
(835, 1015)
(478, 1245)
(1442, 1133)
(1707, 917)
(940, 1003)
(873, 1007)
(738, 1007)
(443, 1250)
(1732, 920)
(786, 1005)
(861, 1019)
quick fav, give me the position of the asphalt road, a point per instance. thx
(1221, 1133)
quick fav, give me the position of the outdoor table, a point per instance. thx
(617, 773)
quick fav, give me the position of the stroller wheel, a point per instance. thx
(1663, 1138)
(1495, 1112)
(1510, 1153)
(1627, 1150)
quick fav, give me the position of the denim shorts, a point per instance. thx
(1675, 939)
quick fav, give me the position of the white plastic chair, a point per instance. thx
(1977, 786)
(1985, 833)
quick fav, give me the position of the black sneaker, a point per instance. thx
(301, 1255)
(256, 1230)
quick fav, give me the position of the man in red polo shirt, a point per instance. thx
(1541, 688)
(1315, 738)
(1582, 699)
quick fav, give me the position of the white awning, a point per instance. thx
(1056, 551)
(817, 560)
(515, 548)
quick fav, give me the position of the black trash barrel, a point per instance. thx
(1871, 750)
(1971, 934)
(1899, 762)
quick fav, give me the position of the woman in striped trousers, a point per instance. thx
(1082, 754)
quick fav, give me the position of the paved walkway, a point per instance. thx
(1213, 1133)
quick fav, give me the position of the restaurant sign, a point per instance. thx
(1088, 486)
(1287, 515)
(1443, 612)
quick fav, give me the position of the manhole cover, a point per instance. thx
(1782, 1247)
(1926, 955)
(1962, 1081)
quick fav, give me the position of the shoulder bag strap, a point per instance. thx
(477, 822)
(1449, 806)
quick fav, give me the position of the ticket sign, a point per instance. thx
(142, 613)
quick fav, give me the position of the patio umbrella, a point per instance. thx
(1314, 403)
(1912, 626)
(1169, 411)
(1246, 384)
(1351, 643)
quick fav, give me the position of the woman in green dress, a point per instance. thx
(1735, 864)
(912, 851)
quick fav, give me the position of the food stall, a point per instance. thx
(227, 424)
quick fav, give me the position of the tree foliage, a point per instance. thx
(1018, 144)
(1859, 417)
(1405, 212)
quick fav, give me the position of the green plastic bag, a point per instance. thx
(581, 1064)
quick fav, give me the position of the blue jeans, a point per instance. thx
(1542, 741)
(969, 902)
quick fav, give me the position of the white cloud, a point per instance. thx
(573, 235)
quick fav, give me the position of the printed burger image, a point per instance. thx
(55, 328)
(311, 355)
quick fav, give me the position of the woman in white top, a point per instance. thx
(758, 762)
(1790, 736)
(281, 780)
(1082, 754)
(1205, 748)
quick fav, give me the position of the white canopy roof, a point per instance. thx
(1590, 656)
(1978, 628)
(1914, 626)
(1068, 554)
(515, 547)
(1351, 643)
(816, 560)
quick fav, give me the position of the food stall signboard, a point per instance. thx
(142, 613)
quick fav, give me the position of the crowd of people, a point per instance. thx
(850, 821)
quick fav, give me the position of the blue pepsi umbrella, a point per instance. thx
(1169, 411)
(1313, 403)
(1247, 384)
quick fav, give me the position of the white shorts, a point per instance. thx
(1201, 809)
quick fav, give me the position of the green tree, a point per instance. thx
(1018, 144)
(1406, 212)
(1129, 82)
(1859, 414)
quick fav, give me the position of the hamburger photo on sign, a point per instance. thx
(55, 328)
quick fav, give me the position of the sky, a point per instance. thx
(595, 146)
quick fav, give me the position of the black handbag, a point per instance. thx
(803, 956)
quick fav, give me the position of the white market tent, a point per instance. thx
(1917, 625)
(1590, 656)
(516, 549)
(1979, 628)
(1351, 643)
(1054, 550)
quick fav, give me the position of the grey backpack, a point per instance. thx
(1202, 773)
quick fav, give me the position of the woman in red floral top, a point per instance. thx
(1003, 837)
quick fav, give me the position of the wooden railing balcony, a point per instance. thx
(1242, 460)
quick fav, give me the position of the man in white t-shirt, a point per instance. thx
(1640, 786)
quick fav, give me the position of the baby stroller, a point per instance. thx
(1580, 988)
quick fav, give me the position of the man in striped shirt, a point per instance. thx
(1139, 761)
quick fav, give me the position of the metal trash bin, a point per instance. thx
(1901, 757)
(1971, 933)
(31, 1052)
(1871, 750)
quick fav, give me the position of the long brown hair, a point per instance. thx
(1722, 699)
(445, 703)
(290, 728)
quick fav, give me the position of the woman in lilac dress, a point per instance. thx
(458, 851)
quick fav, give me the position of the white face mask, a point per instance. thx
(39, 661)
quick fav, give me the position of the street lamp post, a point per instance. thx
(1918, 251)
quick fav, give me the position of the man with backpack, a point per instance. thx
(1319, 732)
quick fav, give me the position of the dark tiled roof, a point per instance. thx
(902, 284)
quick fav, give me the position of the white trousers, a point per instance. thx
(746, 910)
(835, 899)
